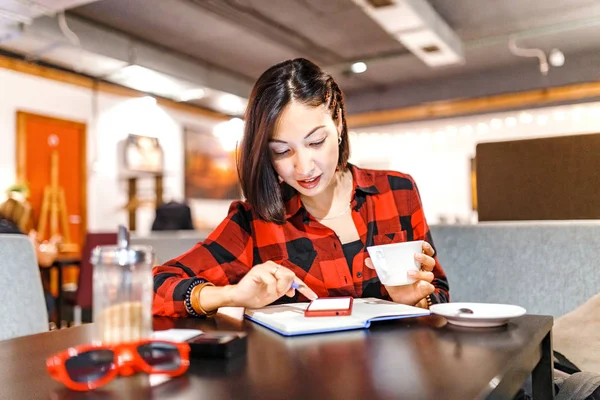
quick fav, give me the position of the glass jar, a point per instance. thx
(123, 291)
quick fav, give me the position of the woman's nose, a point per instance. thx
(303, 164)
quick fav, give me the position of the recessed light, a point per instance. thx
(358, 67)
(556, 58)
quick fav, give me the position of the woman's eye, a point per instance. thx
(280, 152)
(319, 143)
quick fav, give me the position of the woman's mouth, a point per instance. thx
(310, 183)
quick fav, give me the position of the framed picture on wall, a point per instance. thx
(143, 154)
(210, 170)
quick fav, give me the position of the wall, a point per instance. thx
(437, 153)
(109, 119)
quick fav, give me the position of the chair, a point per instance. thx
(85, 290)
(173, 216)
(22, 303)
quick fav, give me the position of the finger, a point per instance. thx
(421, 289)
(284, 277)
(421, 275)
(424, 289)
(427, 263)
(369, 263)
(305, 290)
(291, 292)
(428, 249)
(269, 281)
(270, 267)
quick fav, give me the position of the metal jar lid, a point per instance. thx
(122, 254)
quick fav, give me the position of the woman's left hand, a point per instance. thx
(416, 292)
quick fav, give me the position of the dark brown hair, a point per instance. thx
(292, 80)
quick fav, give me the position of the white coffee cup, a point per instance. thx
(393, 261)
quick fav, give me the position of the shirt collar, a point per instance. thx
(362, 179)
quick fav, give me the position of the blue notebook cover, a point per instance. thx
(289, 319)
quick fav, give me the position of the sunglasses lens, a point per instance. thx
(160, 356)
(89, 366)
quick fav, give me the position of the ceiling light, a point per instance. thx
(510, 122)
(146, 80)
(358, 67)
(559, 115)
(149, 100)
(466, 130)
(556, 58)
(452, 130)
(192, 94)
(496, 123)
(231, 104)
(157, 83)
(542, 119)
(229, 133)
(526, 118)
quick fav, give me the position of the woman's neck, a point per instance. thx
(333, 199)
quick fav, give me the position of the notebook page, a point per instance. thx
(370, 308)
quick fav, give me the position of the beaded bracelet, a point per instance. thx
(188, 298)
(429, 301)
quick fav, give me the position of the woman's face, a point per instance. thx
(304, 148)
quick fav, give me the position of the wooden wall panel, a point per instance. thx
(553, 178)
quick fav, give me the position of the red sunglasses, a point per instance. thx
(90, 366)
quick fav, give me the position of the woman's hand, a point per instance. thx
(264, 284)
(415, 293)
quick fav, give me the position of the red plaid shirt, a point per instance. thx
(386, 208)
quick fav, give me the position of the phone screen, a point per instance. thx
(330, 304)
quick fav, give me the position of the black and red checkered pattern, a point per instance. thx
(386, 208)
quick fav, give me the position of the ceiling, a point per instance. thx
(239, 39)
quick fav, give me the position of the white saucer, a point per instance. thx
(484, 314)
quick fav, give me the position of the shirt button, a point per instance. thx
(359, 274)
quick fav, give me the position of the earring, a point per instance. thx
(339, 140)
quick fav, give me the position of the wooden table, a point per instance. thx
(418, 358)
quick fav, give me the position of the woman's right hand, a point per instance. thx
(264, 284)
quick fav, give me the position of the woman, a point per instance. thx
(308, 214)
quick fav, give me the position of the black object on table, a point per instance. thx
(218, 345)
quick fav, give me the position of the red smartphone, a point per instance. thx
(329, 307)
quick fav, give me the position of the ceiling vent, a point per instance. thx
(16, 13)
(118, 58)
(419, 28)
(24, 11)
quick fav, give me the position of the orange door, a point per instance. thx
(37, 138)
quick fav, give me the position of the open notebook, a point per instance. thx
(289, 319)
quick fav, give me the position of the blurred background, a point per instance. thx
(112, 109)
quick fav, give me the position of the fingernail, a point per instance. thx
(413, 274)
